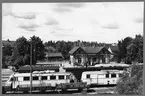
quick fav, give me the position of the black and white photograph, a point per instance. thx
(72, 48)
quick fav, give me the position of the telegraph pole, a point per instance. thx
(31, 59)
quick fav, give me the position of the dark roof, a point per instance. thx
(7, 42)
(114, 48)
(87, 49)
(37, 68)
(54, 55)
(92, 49)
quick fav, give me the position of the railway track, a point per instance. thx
(95, 90)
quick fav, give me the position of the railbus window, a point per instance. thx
(35, 78)
(52, 77)
(12, 79)
(26, 78)
(61, 77)
(88, 76)
(107, 75)
(44, 78)
(113, 75)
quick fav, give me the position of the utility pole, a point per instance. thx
(31, 59)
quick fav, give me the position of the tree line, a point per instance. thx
(18, 54)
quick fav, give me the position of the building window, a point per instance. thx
(52, 77)
(107, 75)
(61, 77)
(26, 78)
(44, 78)
(35, 78)
(88, 76)
(113, 75)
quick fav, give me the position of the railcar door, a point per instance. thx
(44, 81)
(94, 79)
(14, 81)
(35, 81)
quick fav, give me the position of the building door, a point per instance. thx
(79, 60)
(103, 59)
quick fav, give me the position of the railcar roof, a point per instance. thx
(98, 72)
(54, 73)
(103, 71)
(112, 64)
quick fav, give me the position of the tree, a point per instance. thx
(20, 54)
(132, 53)
(23, 46)
(38, 49)
(50, 49)
(5, 61)
(135, 50)
(138, 41)
(131, 82)
(122, 45)
(7, 52)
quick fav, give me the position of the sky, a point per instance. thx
(105, 22)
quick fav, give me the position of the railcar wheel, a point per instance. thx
(64, 90)
(84, 90)
(80, 89)
(43, 90)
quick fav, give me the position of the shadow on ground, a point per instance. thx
(55, 92)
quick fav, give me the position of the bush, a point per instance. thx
(131, 82)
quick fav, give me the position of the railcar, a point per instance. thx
(41, 80)
(104, 77)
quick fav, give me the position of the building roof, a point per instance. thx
(54, 55)
(114, 48)
(73, 50)
(91, 50)
(8, 42)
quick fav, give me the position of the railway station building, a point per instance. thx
(89, 55)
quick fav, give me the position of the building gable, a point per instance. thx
(89, 50)
(104, 51)
(79, 51)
